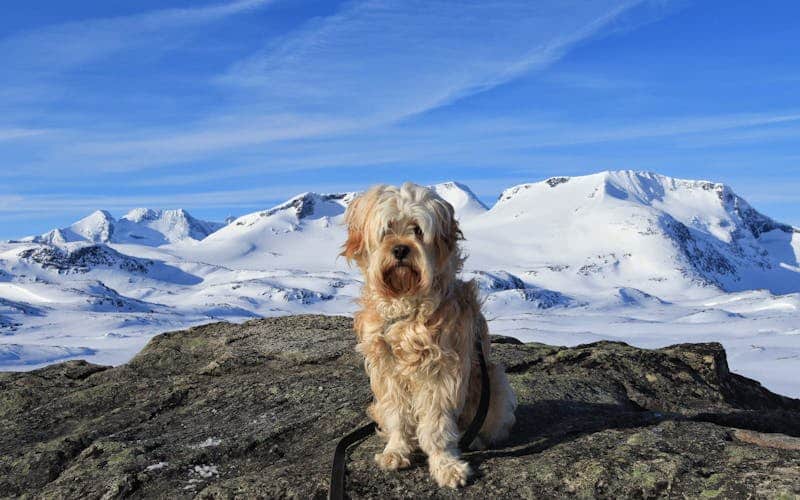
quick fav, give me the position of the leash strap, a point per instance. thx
(483, 406)
(336, 491)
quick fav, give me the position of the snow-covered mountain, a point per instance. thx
(464, 201)
(625, 255)
(142, 226)
(304, 232)
(637, 229)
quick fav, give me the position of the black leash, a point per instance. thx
(336, 491)
(483, 406)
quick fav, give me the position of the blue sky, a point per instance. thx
(226, 107)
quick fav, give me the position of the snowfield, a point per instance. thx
(629, 256)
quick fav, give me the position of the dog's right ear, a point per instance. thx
(355, 218)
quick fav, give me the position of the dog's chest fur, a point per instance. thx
(413, 349)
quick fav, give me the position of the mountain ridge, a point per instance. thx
(146, 226)
(459, 195)
(699, 230)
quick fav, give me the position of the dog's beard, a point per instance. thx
(401, 279)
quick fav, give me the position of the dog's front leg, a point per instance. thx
(395, 425)
(437, 433)
(391, 406)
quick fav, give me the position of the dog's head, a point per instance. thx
(405, 240)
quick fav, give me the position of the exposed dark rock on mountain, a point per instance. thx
(255, 410)
(85, 258)
(303, 205)
(555, 181)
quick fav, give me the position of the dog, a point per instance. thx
(416, 328)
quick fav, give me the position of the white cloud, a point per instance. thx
(393, 59)
(662, 128)
(8, 134)
(591, 81)
(9, 201)
(62, 46)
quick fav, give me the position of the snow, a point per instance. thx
(97, 227)
(208, 443)
(206, 471)
(629, 256)
(18, 355)
(14, 292)
(142, 226)
(463, 200)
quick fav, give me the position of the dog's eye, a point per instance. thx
(417, 232)
(386, 230)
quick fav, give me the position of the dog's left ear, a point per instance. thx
(449, 231)
(355, 218)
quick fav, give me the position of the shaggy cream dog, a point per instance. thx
(417, 328)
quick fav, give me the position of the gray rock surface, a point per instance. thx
(255, 410)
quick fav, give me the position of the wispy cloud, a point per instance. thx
(663, 128)
(485, 142)
(28, 205)
(8, 134)
(9, 202)
(394, 59)
(591, 81)
(63, 46)
(372, 64)
(748, 136)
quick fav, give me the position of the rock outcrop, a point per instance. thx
(255, 410)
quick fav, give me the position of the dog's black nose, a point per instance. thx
(400, 251)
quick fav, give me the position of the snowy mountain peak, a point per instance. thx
(173, 225)
(103, 215)
(313, 205)
(148, 214)
(142, 214)
(618, 223)
(97, 227)
(687, 200)
(309, 223)
(709, 206)
(523, 190)
(143, 226)
(461, 197)
(648, 187)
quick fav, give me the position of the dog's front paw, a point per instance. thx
(392, 460)
(450, 472)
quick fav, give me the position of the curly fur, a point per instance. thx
(416, 329)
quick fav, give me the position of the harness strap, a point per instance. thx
(336, 490)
